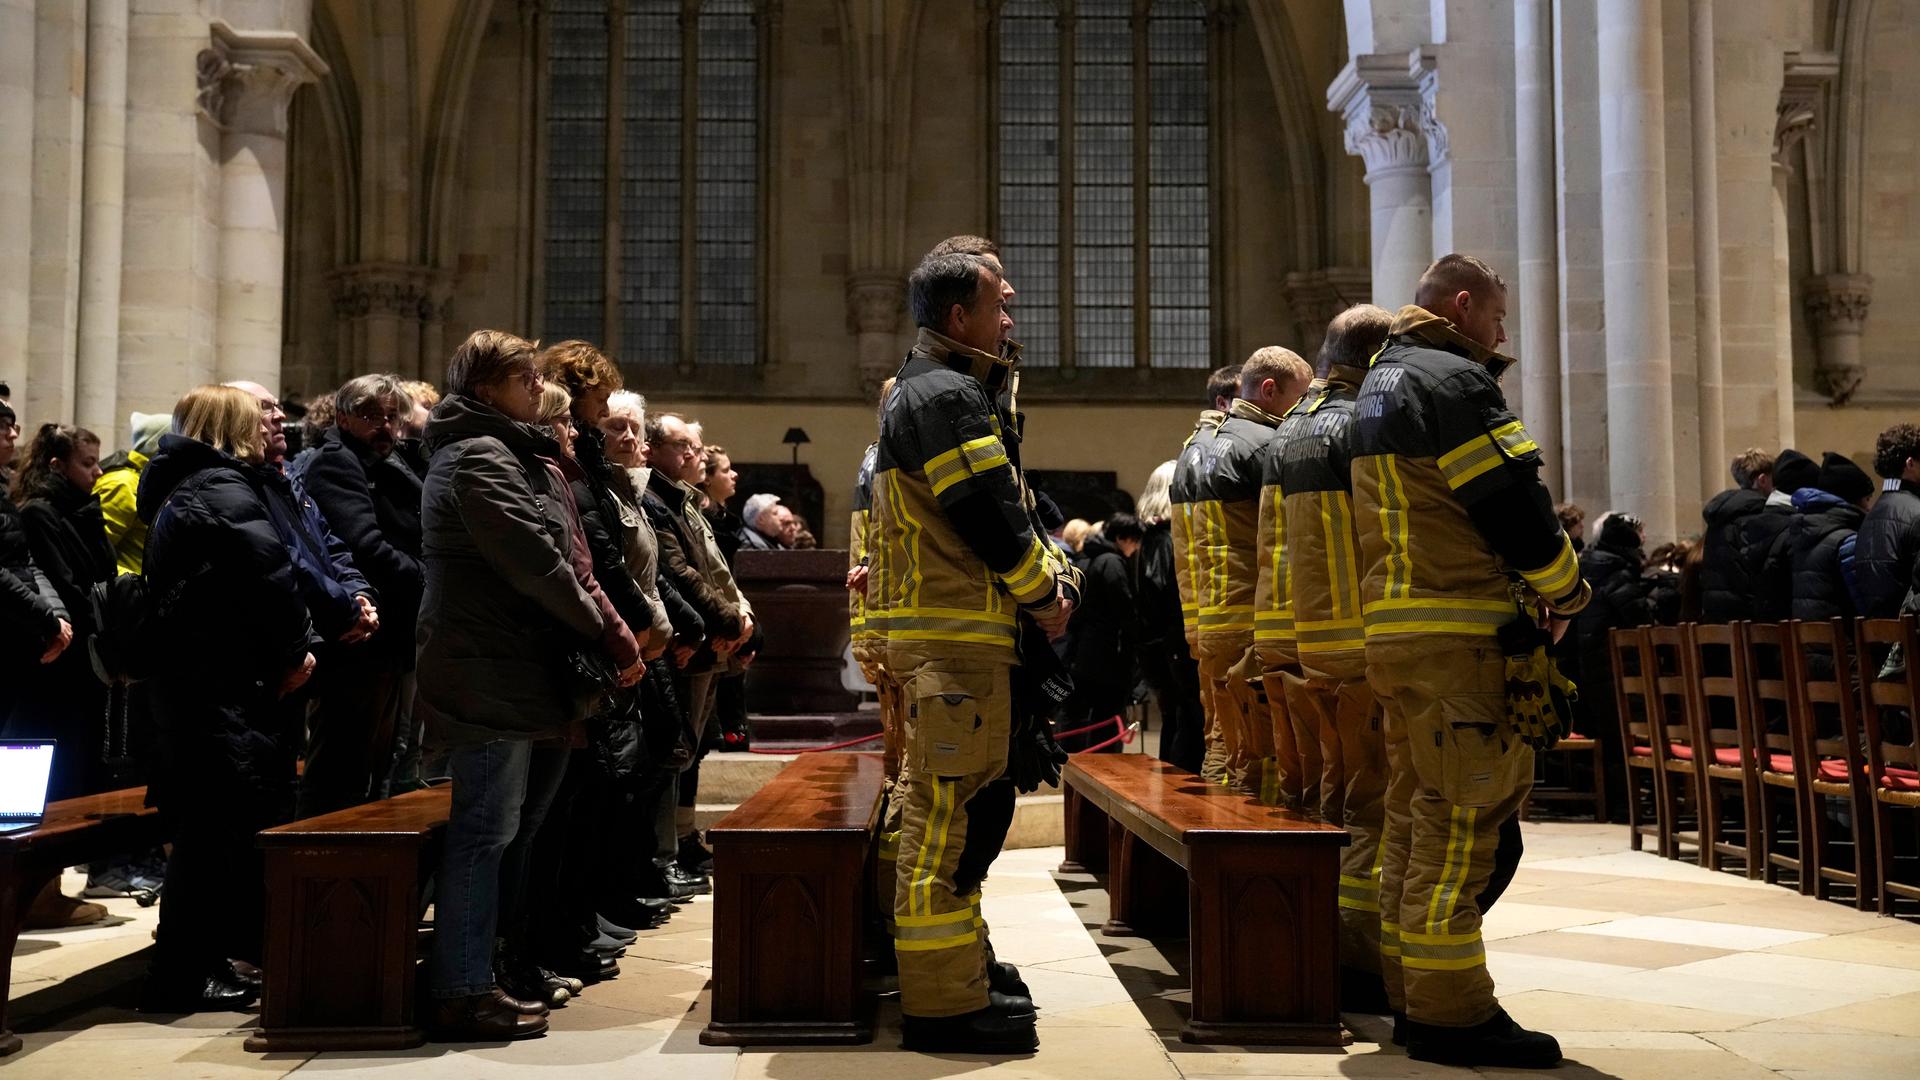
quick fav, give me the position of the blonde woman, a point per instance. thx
(235, 645)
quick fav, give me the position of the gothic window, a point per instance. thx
(660, 266)
(1103, 151)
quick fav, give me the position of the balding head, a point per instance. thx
(273, 421)
(1466, 292)
(1353, 337)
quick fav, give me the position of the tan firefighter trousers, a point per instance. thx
(1335, 701)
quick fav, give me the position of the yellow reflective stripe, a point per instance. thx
(1393, 526)
(1469, 461)
(947, 918)
(1026, 581)
(1270, 781)
(951, 613)
(1559, 576)
(1453, 875)
(970, 458)
(1331, 631)
(1437, 615)
(1007, 637)
(1336, 520)
(1389, 938)
(1359, 894)
(1513, 439)
(951, 942)
(933, 847)
(1442, 952)
(909, 543)
(889, 847)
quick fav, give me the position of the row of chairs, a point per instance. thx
(1785, 723)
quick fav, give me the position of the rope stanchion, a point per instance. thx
(1126, 736)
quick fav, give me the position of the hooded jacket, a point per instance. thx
(1887, 550)
(1819, 554)
(30, 608)
(118, 489)
(1192, 558)
(1309, 466)
(372, 504)
(1446, 486)
(1726, 585)
(502, 606)
(690, 556)
(67, 535)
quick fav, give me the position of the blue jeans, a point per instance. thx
(501, 792)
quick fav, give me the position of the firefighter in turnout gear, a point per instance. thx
(1327, 696)
(955, 562)
(870, 652)
(1458, 543)
(1191, 559)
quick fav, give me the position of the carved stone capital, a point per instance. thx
(1801, 96)
(1388, 116)
(1837, 312)
(1316, 296)
(875, 301)
(395, 290)
(246, 78)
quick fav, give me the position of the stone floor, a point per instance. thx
(1643, 967)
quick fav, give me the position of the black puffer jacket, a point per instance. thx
(1100, 653)
(1821, 543)
(217, 544)
(1726, 587)
(1769, 562)
(68, 538)
(1620, 599)
(30, 609)
(373, 505)
(1887, 551)
(503, 607)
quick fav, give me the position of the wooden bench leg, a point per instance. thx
(1146, 891)
(1263, 943)
(18, 887)
(1086, 834)
(786, 943)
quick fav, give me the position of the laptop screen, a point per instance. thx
(24, 771)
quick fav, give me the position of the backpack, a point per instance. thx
(129, 619)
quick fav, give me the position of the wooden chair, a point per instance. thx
(1633, 697)
(1675, 693)
(1888, 708)
(1828, 758)
(1772, 697)
(1568, 751)
(1725, 740)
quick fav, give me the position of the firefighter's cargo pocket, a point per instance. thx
(1480, 754)
(951, 723)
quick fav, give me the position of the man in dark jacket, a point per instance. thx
(1889, 544)
(1612, 564)
(1725, 593)
(371, 499)
(1758, 536)
(1823, 538)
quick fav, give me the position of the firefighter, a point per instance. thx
(1226, 515)
(956, 562)
(1327, 697)
(1460, 554)
(1191, 556)
(870, 652)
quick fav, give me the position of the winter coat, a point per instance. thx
(1821, 545)
(1621, 599)
(1769, 562)
(222, 573)
(616, 641)
(373, 505)
(30, 609)
(691, 558)
(1726, 586)
(625, 553)
(321, 562)
(502, 608)
(746, 536)
(68, 539)
(1887, 550)
(118, 490)
(1100, 656)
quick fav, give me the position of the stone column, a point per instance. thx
(1385, 124)
(59, 132)
(97, 362)
(1706, 249)
(247, 81)
(1634, 233)
(1837, 309)
(875, 301)
(1537, 229)
(16, 197)
(1836, 302)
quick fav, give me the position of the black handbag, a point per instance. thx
(587, 677)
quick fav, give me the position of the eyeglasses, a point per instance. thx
(375, 416)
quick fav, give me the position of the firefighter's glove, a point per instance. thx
(1539, 699)
(1034, 758)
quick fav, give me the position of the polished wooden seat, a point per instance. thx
(73, 831)
(1892, 738)
(1675, 699)
(1773, 693)
(343, 911)
(1566, 753)
(1724, 739)
(789, 895)
(1828, 759)
(1259, 903)
(1634, 701)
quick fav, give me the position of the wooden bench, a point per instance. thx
(789, 893)
(343, 910)
(74, 831)
(1259, 903)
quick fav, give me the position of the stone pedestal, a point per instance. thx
(392, 318)
(247, 80)
(1837, 310)
(1386, 119)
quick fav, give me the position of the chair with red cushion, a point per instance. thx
(1565, 754)
(1892, 745)
(1726, 730)
(1772, 694)
(1828, 758)
(1633, 697)
(1675, 699)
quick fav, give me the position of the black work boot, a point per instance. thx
(1005, 979)
(992, 1030)
(1498, 1042)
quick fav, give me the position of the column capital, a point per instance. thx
(398, 289)
(1388, 111)
(875, 299)
(1837, 311)
(1804, 88)
(246, 78)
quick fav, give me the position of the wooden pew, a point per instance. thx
(343, 908)
(74, 831)
(1259, 904)
(789, 889)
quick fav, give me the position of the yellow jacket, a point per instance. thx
(1191, 556)
(117, 491)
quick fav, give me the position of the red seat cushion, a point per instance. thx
(1780, 763)
(1900, 779)
(1833, 769)
(1680, 750)
(1643, 751)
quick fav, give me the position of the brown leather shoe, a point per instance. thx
(52, 910)
(523, 1006)
(488, 1017)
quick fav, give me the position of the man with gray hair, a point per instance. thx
(763, 520)
(372, 500)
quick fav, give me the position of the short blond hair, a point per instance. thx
(423, 394)
(1282, 365)
(225, 418)
(555, 402)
